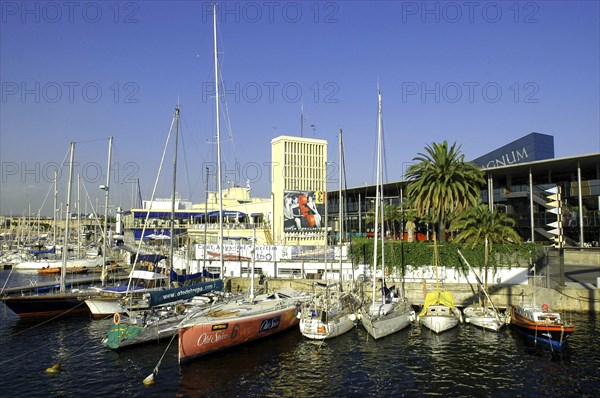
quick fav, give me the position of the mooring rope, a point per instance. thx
(150, 378)
(42, 346)
(47, 320)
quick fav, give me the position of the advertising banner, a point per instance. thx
(303, 211)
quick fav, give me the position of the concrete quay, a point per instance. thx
(575, 299)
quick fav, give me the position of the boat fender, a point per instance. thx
(117, 318)
(234, 332)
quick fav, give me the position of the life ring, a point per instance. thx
(117, 318)
(268, 257)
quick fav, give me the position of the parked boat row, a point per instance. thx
(152, 307)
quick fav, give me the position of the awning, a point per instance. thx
(227, 213)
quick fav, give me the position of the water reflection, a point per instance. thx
(465, 361)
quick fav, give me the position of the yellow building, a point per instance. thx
(293, 215)
(299, 186)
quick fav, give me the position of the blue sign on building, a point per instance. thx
(534, 146)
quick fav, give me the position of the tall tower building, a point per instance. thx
(299, 187)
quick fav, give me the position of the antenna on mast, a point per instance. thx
(302, 119)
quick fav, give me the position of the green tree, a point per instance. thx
(391, 217)
(441, 183)
(478, 225)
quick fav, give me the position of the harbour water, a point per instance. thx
(464, 362)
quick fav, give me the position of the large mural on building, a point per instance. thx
(303, 211)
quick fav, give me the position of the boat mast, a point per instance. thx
(54, 220)
(205, 219)
(219, 188)
(172, 233)
(253, 263)
(340, 209)
(78, 216)
(63, 270)
(105, 230)
(377, 195)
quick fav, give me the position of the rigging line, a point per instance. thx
(90, 140)
(94, 210)
(51, 185)
(230, 128)
(44, 322)
(162, 159)
(345, 202)
(43, 345)
(44, 201)
(7, 279)
(191, 186)
(150, 378)
(126, 179)
(383, 157)
(185, 168)
(226, 115)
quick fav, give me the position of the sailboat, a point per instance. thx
(250, 318)
(44, 264)
(239, 321)
(386, 314)
(160, 311)
(439, 312)
(53, 301)
(483, 316)
(331, 311)
(147, 289)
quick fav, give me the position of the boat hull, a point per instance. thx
(212, 332)
(316, 329)
(379, 324)
(122, 335)
(437, 323)
(329, 314)
(49, 264)
(551, 330)
(103, 307)
(484, 318)
(46, 304)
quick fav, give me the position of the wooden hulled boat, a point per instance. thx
(541, 324)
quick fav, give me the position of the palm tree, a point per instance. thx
(441, 182)
(478, 224)
(391, 216)
(409, 216)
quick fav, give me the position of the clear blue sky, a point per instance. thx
(479, 73)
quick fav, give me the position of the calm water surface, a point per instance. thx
(464, 362)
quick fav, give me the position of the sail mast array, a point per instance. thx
(106, 197)
(65, 253)
(218, 123)
(377, 195)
